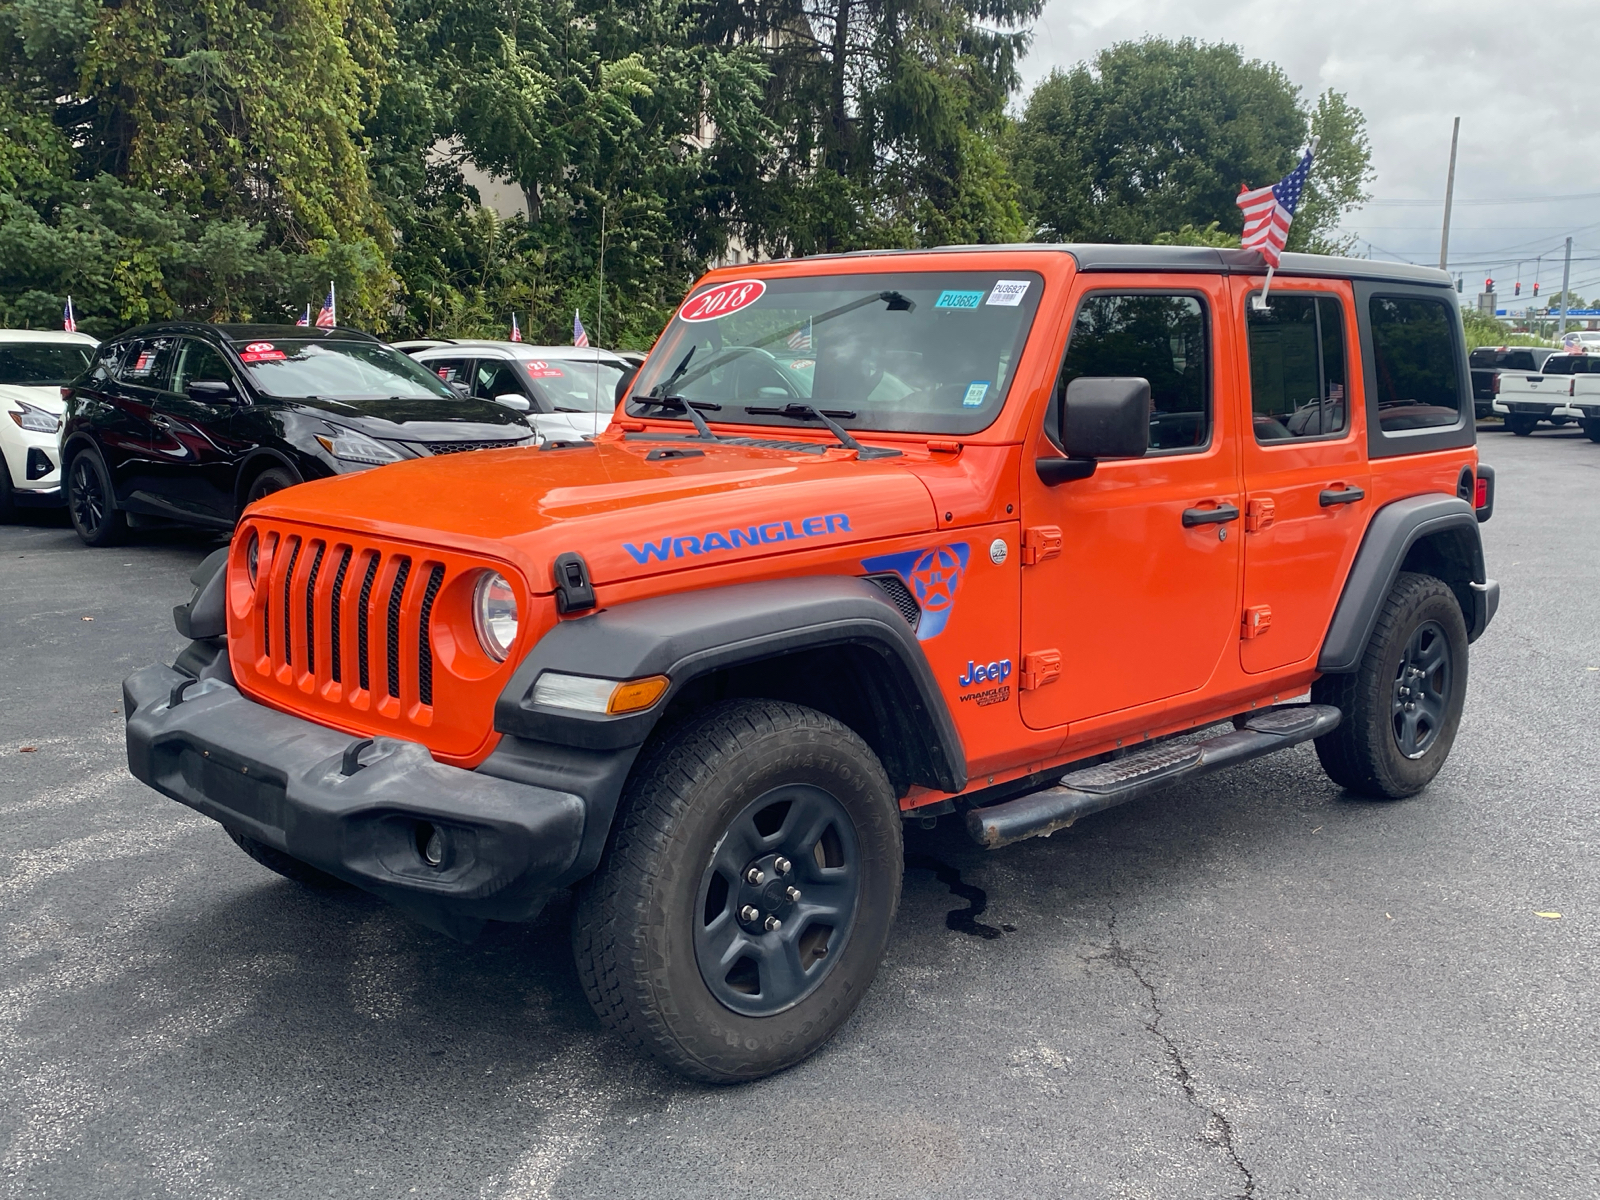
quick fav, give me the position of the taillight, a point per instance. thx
(1497, 385)
(1480, 494)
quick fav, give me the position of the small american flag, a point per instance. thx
(305, 319)
(579, 337)
(516, 331)
(1269, 210)
(800, 339)
(328, 317)
(68, 321)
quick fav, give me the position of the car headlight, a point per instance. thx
(35, 419)
(350, 446)
(584, 693)
(494, 615)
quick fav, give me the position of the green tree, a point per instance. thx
(1158, 135)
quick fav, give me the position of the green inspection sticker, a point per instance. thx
(954, 299)
(975, 391)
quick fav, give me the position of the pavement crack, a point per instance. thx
(1218, 1129)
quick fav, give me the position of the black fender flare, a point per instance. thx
(1397, 529)
(687, 636)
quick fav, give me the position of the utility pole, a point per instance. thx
(1566, 278)
(1449, 196)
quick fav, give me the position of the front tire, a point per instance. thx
(91, 503)
(1403, 704)
(687, 940)
(1521, 424)
(273, 479)
(283, 864)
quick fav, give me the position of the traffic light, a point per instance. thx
(1536, 291)
(1518, 290)
(1461, 283)
(1488, 285)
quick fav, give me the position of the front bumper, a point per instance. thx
(360, 809)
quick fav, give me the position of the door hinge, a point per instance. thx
(1039, 543)
(1039, 667)
(1259, 514)
(1257, 620)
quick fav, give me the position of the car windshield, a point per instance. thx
(338, 371)
(574, 386)
(929, 351)
(42, 364)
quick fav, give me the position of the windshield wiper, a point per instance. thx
(689, 409)
(804, 412)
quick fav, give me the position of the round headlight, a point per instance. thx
(494, 615)
(252, 555)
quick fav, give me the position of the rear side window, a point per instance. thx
(1153, 336)
(148, 363)
(1298, 370)
(449, 370)
(1414, 361)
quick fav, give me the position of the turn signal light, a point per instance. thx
(637, 694)
(585, 693)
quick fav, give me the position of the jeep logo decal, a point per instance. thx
(934, 576)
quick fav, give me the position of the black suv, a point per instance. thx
(191, 422)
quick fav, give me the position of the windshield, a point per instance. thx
(42, 364)
(338, 371)
(929, 351)
(574, 386)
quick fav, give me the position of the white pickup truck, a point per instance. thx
(1566, 388)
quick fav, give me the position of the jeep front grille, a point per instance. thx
(323, 600)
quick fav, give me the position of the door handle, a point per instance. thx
(1219, 515)
(1328, 497)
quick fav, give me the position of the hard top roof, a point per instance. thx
(1092, 257)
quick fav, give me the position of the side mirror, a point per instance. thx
(209, 390)
(1101, 417)
(514, 400)
(626, 381)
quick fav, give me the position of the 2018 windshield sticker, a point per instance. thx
(1008, 293)
(934, 576)
(734, 539)
(954, 299)
(976, 391)
(722, 300)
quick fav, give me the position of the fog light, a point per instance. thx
(430, 844)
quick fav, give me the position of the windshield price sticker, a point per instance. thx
(261, 352)
(955, 299)
(718, 302)
(540, 369)
(1008, 293)
(976, 391)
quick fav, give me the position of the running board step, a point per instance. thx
(1039, 814)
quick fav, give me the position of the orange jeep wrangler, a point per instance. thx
(1008, 532)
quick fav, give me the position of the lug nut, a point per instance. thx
(749, 913)
(781, 865)
(773, 924)
(794, 894)
(755, 877)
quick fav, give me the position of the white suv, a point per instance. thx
(568, 392)
(34, 366)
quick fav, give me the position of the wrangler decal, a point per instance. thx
(733, 539)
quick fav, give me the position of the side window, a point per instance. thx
(1297, 367)
(149, 363)
(496, 377)
(198, 362)
(1414, 361)
(449, 370)
(1160, 337)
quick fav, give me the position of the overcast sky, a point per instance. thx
(1523, 88)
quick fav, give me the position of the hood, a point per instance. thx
(628, 515)
(47, 398)
(425, 420)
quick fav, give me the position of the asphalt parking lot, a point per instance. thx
(1255, 987)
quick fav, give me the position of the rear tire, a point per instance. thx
(8, 506)
(672, 933)
(91, 502)
(1521, 424)
(284, 864)
(1416, 657)
(1591, 426)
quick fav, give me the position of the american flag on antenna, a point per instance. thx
(306, 318)
(579, 337)
(68, 321)
(1269, 210)
(800, 339)
(516, 330)
(328, 317)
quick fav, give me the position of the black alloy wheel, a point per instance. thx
(89, 502)
(1422, 690)
(778, 900)
(273, 479)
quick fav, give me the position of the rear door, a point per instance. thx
(1140, 602)
(124, 427)
(1306, 479)
(195, 452)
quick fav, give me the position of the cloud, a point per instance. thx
(1526, 130)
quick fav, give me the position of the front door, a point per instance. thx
(123, 426)
(1306, 480)
(194, 451)
(1140, 602)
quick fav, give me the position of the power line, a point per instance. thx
(1486, 201)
